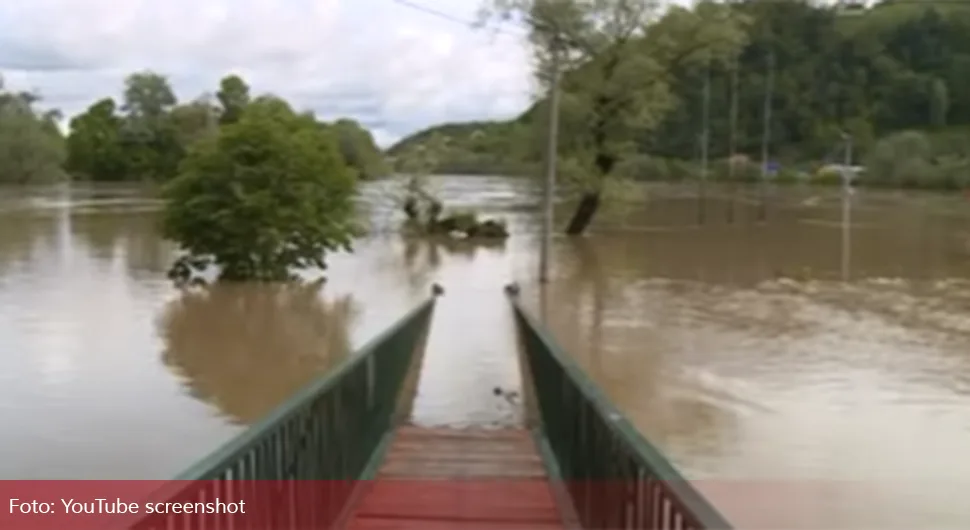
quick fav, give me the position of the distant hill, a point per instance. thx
(477, 148)
(871, 71)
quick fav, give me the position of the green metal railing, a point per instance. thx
(613, 477)
(304, 458)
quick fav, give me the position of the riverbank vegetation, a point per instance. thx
(633, 92)
(32, 148)
(141, 138)
(253, 189)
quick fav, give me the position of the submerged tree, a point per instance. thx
(268, 194)
(425, 212)
(618, 56)
(414, 193)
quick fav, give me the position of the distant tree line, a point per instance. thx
(144, 137)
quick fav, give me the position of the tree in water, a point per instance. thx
(269, 194)
(618, 55)
(415, 195)
(424, 210)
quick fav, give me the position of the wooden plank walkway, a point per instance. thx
(443, 479)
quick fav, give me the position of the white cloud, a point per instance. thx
(394, 68)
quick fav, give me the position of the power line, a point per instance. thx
(435, 12)
(449, 17)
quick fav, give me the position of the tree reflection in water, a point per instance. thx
(629, 337)
(245, 348)
(423, 255)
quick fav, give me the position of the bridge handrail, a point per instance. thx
(318, 434)
(203, 470)
(639, 465)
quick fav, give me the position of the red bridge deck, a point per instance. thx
(443, 479)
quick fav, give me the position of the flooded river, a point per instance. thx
(803, 355)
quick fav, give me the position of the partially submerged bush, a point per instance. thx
(268, 194)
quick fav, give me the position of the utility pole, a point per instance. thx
(705, 134)
(766, 138)
(846, 206)
(732, 140)
(848, 158)
(551, 155)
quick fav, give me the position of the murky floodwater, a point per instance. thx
(787, 355)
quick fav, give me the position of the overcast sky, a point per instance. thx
(394, 68)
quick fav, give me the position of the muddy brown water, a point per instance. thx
(807, 372)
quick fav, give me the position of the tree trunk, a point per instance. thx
(589, 203)
(604, 110)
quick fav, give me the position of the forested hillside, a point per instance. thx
(873, 72)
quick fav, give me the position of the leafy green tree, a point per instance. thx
(233, 95)
(268, 194)
(31, 146)
(359, 150)
(148, 99)
(94, 148)
(154, 157)
(619, 84)
(195, 121)
(148, 134)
